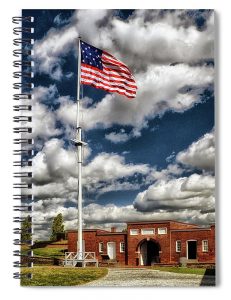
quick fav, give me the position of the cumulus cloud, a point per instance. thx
(44, 120)
(104, 216)
(200, 154)
(177, 18)
(107, 166)
(54, 162)
(195, 192)
(50, 50)
(166, 38)
(55, 172)
(119, 137)
(172, 170)
(161, 40)
(166, 51)
(98, 214)
(159, 91)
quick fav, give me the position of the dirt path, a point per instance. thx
(146, 277)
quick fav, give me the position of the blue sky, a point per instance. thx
(149, 158)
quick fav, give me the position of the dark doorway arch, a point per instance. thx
(149, 252)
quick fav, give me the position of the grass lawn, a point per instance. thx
(48, 252)
(198, 271)
(44, 251)
(61, 276)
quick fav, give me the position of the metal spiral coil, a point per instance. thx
(23, 141)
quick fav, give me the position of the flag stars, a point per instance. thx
(92, 59)
(91, 56)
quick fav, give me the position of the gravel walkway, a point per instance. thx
(146, 277)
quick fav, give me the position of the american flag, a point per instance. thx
(103, 71)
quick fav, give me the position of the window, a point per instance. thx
(134, 231)
(148, 231)
(178, 246)
(101, 247)
(122, 247)
(162, 230)
(205, 246)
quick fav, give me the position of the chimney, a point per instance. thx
(113, 229)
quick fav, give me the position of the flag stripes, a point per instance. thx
(102, 70)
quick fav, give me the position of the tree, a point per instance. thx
(26, 230)
(57, 227)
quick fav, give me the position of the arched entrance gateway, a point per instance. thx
(149, 252)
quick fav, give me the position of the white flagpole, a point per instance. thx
(79, 153)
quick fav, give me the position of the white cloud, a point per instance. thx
(195, 192)
(110, 213)
(104, 216)
(111, 166)
(167, 38)
(67, 112)
(45, 94)
(200, 154)
(50, 50)
(43, 117)
(43, 122)
(55, 172)
(60, 20)
(161, 40)
(89, 24)
(171, 171)
(54, 162)
(119, 137)
(159, 91)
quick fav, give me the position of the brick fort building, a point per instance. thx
(148, 243)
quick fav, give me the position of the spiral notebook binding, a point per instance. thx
(22, 107)
(23, 197)
(23, 141)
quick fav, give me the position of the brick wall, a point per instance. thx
(197, 235)
(166, 243)
(179, 225)
(134, 241)
(92, 240)
(88, 236)
(121, 257)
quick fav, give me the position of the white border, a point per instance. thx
(8, 285)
